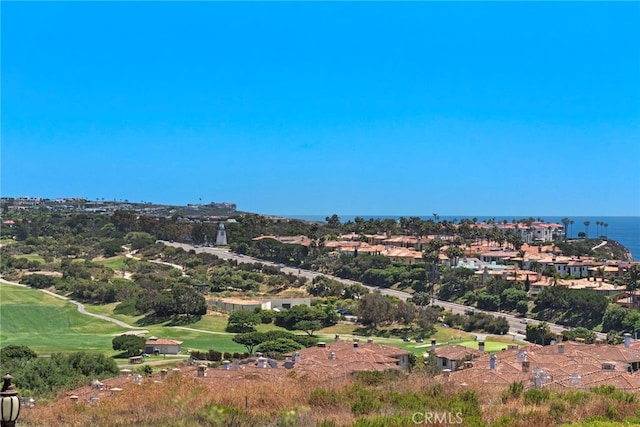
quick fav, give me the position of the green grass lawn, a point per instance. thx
(115, 263)
(108, 310)
(31, 257)
(47, 324)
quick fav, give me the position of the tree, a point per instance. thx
(249, 340)
(333, 221)
(375, 309)
(243, 321)
(279, 346)
(566, 221)
(405, 312)
(309, 326)
(131, 345)
(511, 297)
(631, 280)
(588, 336)
(111, 247)
(522, 307)
(188, 300)
(16, 352)
(420, 299)
(613, 318)
(426, 317)
(139, 239)
(539, 334)
(453, 253)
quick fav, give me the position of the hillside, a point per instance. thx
(365, 400)
(611, 249)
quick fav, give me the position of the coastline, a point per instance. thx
(623, 229)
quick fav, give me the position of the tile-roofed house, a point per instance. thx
(566, 364)
(344, 357)
(156, 345)
(453, 356)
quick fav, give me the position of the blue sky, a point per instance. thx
(318, 108)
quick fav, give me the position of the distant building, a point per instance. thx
(237, 304)
(221, 238)
(155, 345)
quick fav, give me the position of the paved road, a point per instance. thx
(517, 325)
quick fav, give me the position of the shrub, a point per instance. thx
(322, 397)
(514, 391)
(557, 409)
(535, 396)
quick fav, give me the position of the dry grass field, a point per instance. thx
(285, 399)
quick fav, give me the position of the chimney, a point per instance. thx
(369, 340)
(481, 346)
(446, 372)
(262, 362)
(225, 365)
(574, 380)
(433, 345)
(321, 344)
(356, 341)
(627, 340)
(560, 348)
(332, 355)
(202, 370)
(522, 356)
(296, 356)
(336, 338)
(492, 362)
(525, 366)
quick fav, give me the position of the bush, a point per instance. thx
(38, 281)
(322, 397)
(535, 396)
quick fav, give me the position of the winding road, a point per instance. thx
(517, 325)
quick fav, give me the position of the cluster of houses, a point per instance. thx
(564, 364)
(561, 365)
(580, 272)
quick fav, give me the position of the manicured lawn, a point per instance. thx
(115, 263)
(47, 324)
(340, 328)
(32, 257)
(108, 310)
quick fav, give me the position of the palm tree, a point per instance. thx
(586, 228)
(605, 225)
(571, 223)
(632, 280)
(566, 221)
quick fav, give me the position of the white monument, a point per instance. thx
(221, 238)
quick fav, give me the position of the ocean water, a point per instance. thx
(624, 229)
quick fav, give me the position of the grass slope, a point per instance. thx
(47, 324)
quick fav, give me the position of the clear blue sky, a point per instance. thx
(319, 108)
